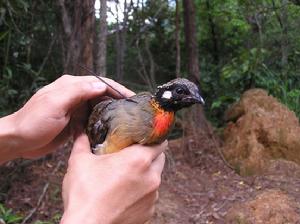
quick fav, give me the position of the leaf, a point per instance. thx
(8, 74)
(14, 219)
(24, 4)
(12, 92)
(215, 104)
(4, 34)
(2, 209)
(294, 93)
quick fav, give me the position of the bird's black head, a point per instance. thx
(177, 94)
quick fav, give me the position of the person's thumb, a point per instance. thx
(81, 144)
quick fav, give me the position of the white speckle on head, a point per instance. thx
(167, 95)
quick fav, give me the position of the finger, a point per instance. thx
(148, 206)
(86, 88)
(94, 80)
(157, 150)
(72, 96)
(81, 145)
(149, 152)
(111, 85)
(158, 164)
(126, 92)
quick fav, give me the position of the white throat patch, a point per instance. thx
(167, 95)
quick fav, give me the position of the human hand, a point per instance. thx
(47, 119)
(113, 188)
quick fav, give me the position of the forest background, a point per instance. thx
(228, 46)
(225, 46)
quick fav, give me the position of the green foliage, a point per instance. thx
(248, 71)
(7, 216)
(245, 70)
(26, 31)
(242, 44)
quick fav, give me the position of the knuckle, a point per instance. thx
(48, 99)
(141, 160)
(82, 87)
(64, 78)
(51, 100)
(40, 91)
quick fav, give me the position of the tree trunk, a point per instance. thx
(283, 22)
(214, 38)
(195, 126)
(88, 32)
(118, 44)
(79, 32)
(191, 40)
(177, 39)
(284, 36)
(121, 35)
(102, 40)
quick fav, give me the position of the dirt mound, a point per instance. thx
(269, 207)
(260, 129)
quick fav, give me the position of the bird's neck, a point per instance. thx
(163, 119)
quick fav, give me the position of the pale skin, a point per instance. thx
(116, 188)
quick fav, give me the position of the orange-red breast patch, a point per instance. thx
(163, 120)
(162, 123)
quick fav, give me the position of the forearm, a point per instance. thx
(9, 141)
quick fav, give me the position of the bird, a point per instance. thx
(146, 119)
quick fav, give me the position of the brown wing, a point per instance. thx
(116, 124)
(132, 121)
(98, 124)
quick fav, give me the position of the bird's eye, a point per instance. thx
(179, 91)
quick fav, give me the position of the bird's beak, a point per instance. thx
(199, 99)
(195, 98)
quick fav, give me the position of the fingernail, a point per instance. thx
(99, 85)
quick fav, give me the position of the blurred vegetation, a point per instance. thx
(8, 217)
(28, 58)
(242, 44)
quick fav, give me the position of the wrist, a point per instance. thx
(9, 139)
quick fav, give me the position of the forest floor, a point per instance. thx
(198, 191)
